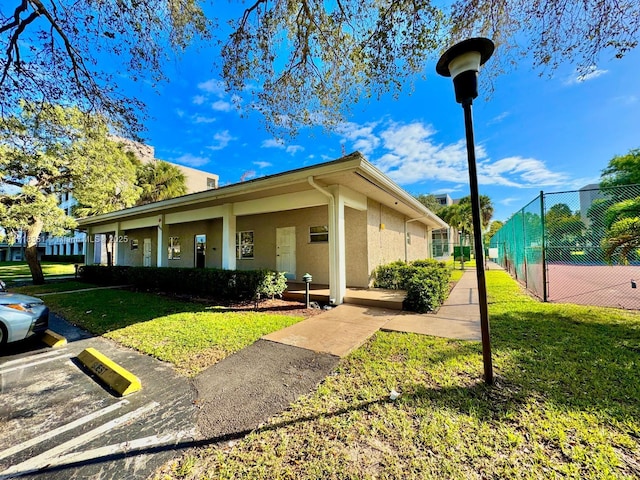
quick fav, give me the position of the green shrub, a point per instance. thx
(427, 289)
(426, 282)
(228, 285)
(393, 275)
(63, 258)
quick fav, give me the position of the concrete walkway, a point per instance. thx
(341, 330)
(459, 316)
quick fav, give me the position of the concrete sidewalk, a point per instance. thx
(458, 317)
(341, 330)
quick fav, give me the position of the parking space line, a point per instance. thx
(64, 428)
(30, 357)
(33, 364)
(46, 458)
(124, 447)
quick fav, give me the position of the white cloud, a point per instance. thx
(222, 106)
(180, 113)
(498, 118)
(213, 86)
(585, 74)
(203, 119)
(222, 138)
(199, 99)
(522, 172)
(279, 144)
(293, 149)
(409, 154)
(509, 201)
(263, 164)
(361, 136)
(192, 160)
(272, 143)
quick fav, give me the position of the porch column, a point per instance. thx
(160, 247)
(228, 237)
(89, 256)
(115, 245)
(337, 261)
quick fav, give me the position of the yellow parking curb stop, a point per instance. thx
(117, 378)
(53, 339)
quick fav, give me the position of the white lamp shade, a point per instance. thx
(468, 61)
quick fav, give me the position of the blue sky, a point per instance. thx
(551, 133)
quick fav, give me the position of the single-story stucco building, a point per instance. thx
(337, 221)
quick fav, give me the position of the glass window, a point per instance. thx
(174, 248)
(319, 234)
(244, 245)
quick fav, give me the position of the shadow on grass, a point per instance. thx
(102, 311)
(584, 363)
(589, 366)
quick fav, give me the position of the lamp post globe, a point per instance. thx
(462, 62)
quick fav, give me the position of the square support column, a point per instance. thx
(116, 245)
(89, 256)
(228, 237)
(160, 247)
(337, 246)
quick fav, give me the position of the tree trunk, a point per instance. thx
(31, 252)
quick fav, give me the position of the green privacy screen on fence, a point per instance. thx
(579, 246)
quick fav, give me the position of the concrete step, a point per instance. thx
(366, 297)
(376, 298)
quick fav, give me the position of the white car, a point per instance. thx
(21, 316)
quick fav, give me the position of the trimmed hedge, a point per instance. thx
(426, 282)
(63, 258)
(229, 285)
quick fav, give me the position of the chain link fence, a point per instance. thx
(580, 246)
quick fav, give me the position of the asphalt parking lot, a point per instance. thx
(58, 422)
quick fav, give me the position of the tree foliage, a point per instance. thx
(72, 52)
(460, 217)
(305, 62)
(493, 229)
(622, 170)
(46, 151)
(622, 231)
(160, 181)
(430, 201)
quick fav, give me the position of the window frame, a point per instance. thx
(240, 244)
(322, 234)
(174, 253)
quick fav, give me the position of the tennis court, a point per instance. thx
(600, 285)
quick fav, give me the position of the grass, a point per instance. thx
(52, 287)
(12, 271)
(566, 404)
(192, 336)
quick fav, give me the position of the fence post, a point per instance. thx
(545, 296)
(524, 249)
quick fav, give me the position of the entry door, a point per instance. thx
(201, 248)
(146, 252)
(286, 251)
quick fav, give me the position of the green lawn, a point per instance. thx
(11, 271)
(53, 286)
(566, 404)
(192, 336)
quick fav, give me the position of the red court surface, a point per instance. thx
(601, 285)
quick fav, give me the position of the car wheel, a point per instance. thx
(3, 334)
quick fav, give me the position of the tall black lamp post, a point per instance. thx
(462, 62)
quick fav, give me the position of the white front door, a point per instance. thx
(146, 252)
(286, 251)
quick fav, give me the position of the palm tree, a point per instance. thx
(160, 181)
(486, 208)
